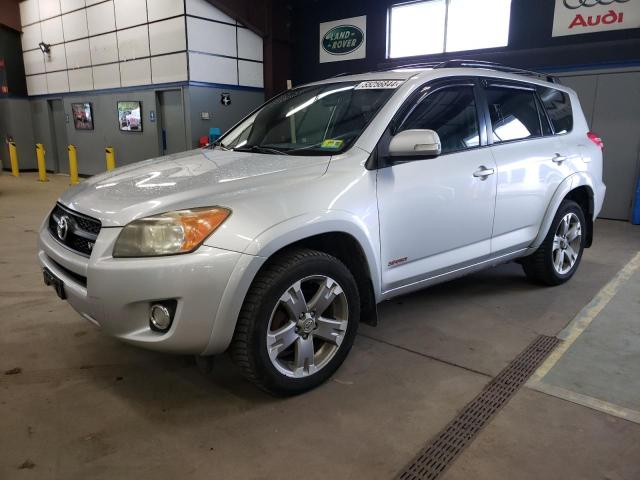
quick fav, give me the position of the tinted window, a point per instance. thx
(558, 107)
(514, 114)
(451, 112)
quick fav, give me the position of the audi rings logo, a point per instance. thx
(574, 4)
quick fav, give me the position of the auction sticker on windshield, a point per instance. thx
(378, 84)
(331, 144)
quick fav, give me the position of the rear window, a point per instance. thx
(558, 107)
(514, 114)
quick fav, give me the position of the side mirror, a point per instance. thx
(415, 143)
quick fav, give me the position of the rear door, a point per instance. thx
(531, 163)
(435, 214)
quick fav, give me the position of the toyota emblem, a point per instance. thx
(63, 227)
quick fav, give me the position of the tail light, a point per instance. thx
(596, 139)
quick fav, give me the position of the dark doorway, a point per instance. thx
(171, 121)
(57, 153)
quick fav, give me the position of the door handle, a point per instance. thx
(483, 172)
(557, 158)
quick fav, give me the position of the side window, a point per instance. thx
(451, 112)
(558, 107)
(514, 114)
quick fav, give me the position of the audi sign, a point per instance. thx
(573, 17)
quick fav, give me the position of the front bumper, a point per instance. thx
(115, 293)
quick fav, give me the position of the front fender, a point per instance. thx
(311, 224)
(274, 239)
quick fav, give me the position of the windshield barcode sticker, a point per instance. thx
(378, 84)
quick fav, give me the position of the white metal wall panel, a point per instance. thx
(251, 74)
(80, 79)
(104, 49)
(211, 37)
(78, 53)
(56, 59)
(100, 18)
(210, 69)
(169, 68)
(31, 37)
(33, 62)
(70, 5)
(202, 8)
(167, 36)
(57, 82)
(37, 84)
(159, 9)
(106, 76)
(135, 72)
(74, 25)
(249, 44)
(29, 12)
(52, 31)
(48, 8)
(130, 13)
(133, 43)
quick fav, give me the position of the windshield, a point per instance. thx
(316, 120)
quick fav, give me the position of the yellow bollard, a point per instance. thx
(42, 166)
(13, 155)
(73, 164)
(111, 159)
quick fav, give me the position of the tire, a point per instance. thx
(558, 257)
(281, 343)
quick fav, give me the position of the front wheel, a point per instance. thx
(559, 255)
(298, 322)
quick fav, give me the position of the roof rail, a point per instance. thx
(460, 63)
(410, 65)
(494, 66)
(342, 74)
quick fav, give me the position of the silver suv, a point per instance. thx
(275, 242)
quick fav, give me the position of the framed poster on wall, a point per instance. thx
(82, 116)
(130, 116)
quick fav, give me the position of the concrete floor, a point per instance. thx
(86, 406)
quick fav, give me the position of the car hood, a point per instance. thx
(190, 179)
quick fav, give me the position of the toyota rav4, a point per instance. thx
(277, 240)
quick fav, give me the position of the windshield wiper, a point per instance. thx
(260, 149)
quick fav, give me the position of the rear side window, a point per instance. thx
(514, 114)
(451, 112)
(558, 107)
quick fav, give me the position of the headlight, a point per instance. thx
(169, 233)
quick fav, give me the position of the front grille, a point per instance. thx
(74, 230)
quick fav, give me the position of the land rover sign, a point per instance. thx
(343, 39)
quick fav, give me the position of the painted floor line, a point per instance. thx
(584, 318)
(587, 401)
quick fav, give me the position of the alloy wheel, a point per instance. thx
(307, 326)
(567, 242)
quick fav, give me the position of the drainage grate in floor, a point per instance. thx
(436, 457)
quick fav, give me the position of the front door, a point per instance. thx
(436, 214)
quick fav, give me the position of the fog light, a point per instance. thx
(159, 317)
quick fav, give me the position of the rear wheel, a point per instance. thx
(298, 322)
(559, 255)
